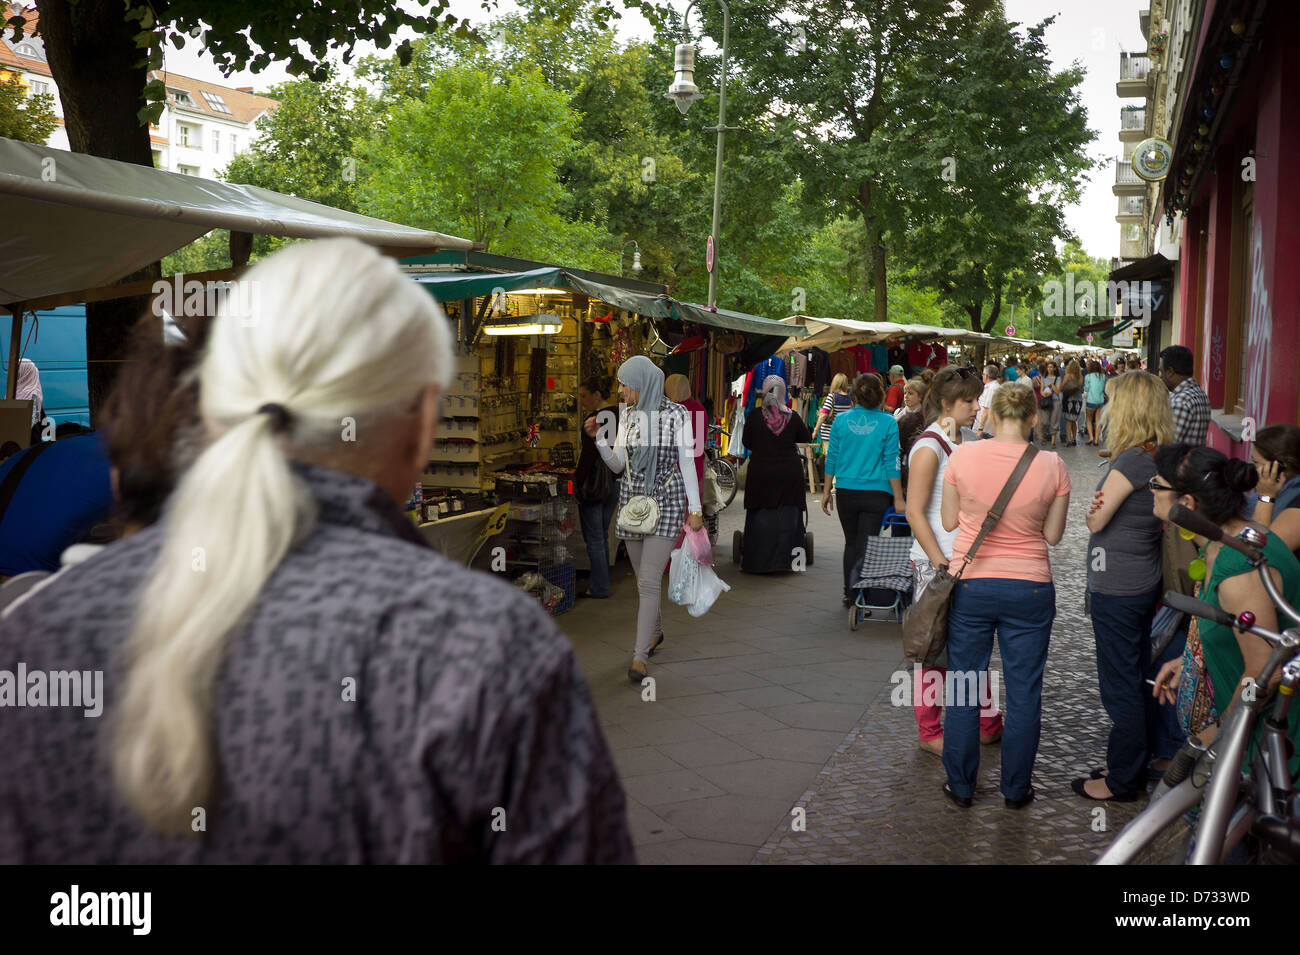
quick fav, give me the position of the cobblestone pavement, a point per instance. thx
(769, 703)
(878, 800)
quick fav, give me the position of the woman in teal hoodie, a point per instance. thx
(862, 458)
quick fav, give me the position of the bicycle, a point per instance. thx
(722, 467)
(1259, 798)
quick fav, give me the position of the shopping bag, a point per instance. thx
(710, 588)
(683, 577)
(701, 549)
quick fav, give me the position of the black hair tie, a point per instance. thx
(280, 417)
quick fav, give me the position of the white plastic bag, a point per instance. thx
(683, 578)
(709, 586)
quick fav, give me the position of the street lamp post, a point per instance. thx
(636, 257)
(683, 92)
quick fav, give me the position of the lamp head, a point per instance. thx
(636, 261)
(683, 90)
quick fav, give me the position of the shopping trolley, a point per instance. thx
(884, 574)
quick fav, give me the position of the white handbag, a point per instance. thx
(640, 515)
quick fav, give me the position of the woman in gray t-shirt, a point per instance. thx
(1125, 582)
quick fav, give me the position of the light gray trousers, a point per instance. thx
(649, 558)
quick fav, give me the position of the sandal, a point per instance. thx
(635, 675)
(655, 646)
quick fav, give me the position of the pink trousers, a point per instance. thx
(928, 715)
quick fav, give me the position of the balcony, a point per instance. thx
(1132, 210)
(1130, 248)
(1134, 74)
(1132, 124)
(1127, 182)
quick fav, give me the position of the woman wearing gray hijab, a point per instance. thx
(655, 454)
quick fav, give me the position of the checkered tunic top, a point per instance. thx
(671, 492)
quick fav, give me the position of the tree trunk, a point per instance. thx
(101, 77)
(880, 312)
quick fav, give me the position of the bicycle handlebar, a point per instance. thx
(1200, 608)
(1202, 525)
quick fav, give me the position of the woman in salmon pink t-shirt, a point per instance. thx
(1006, 590)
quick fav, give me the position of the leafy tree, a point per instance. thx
(27, 118)
(478, 155)
(827, 75)
(1009, 135)
(309, 145)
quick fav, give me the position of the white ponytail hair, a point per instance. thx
(328, 330)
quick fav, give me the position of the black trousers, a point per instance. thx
(861, 514)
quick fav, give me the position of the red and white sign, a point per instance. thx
(1011, 329)
(1089, 339)
(708, 255)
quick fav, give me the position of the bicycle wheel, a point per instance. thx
(726, 472)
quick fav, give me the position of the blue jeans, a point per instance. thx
(1122, 627)
(595, 517)
(1020, 612)
(1169, 735)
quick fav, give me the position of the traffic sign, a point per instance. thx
(1089, 339)
(1011, 329)
(708, 255)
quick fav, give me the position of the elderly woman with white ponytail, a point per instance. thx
(283, 657)
(655, 453)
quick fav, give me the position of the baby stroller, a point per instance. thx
(884, 575)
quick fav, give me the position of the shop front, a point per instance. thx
(499, 489)
(1233, 191)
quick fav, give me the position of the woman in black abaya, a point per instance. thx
(774, 493)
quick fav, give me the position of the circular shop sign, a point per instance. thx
(1152, 159)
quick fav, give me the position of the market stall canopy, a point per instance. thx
(830, 334)
(80, 222)
(733, 321)
(456, 286)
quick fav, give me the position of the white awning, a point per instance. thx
(830, 334)
(78, 222)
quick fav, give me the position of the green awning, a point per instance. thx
(456, 286)
(635, 302)
(735, 321)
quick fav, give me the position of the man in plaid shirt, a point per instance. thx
(1187, 400)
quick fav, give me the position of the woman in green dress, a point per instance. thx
(1219, 660)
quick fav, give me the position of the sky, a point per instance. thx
(1092, 32)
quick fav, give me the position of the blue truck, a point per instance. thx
(58, 347)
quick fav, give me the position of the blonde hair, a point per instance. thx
(840, 382)
(335, 334)
(1072, 367)
(677, 388)
(1014, 401)
(1138, 412)
(916, 387)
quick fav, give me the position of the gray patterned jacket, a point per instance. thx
(468, 701)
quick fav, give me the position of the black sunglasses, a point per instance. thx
(1155, 485)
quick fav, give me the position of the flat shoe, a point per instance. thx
(635, 675)
(932, 746)
(1077, 786)
(657, 644)
(1023, 801)
(962, 802)
(1098, 774)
